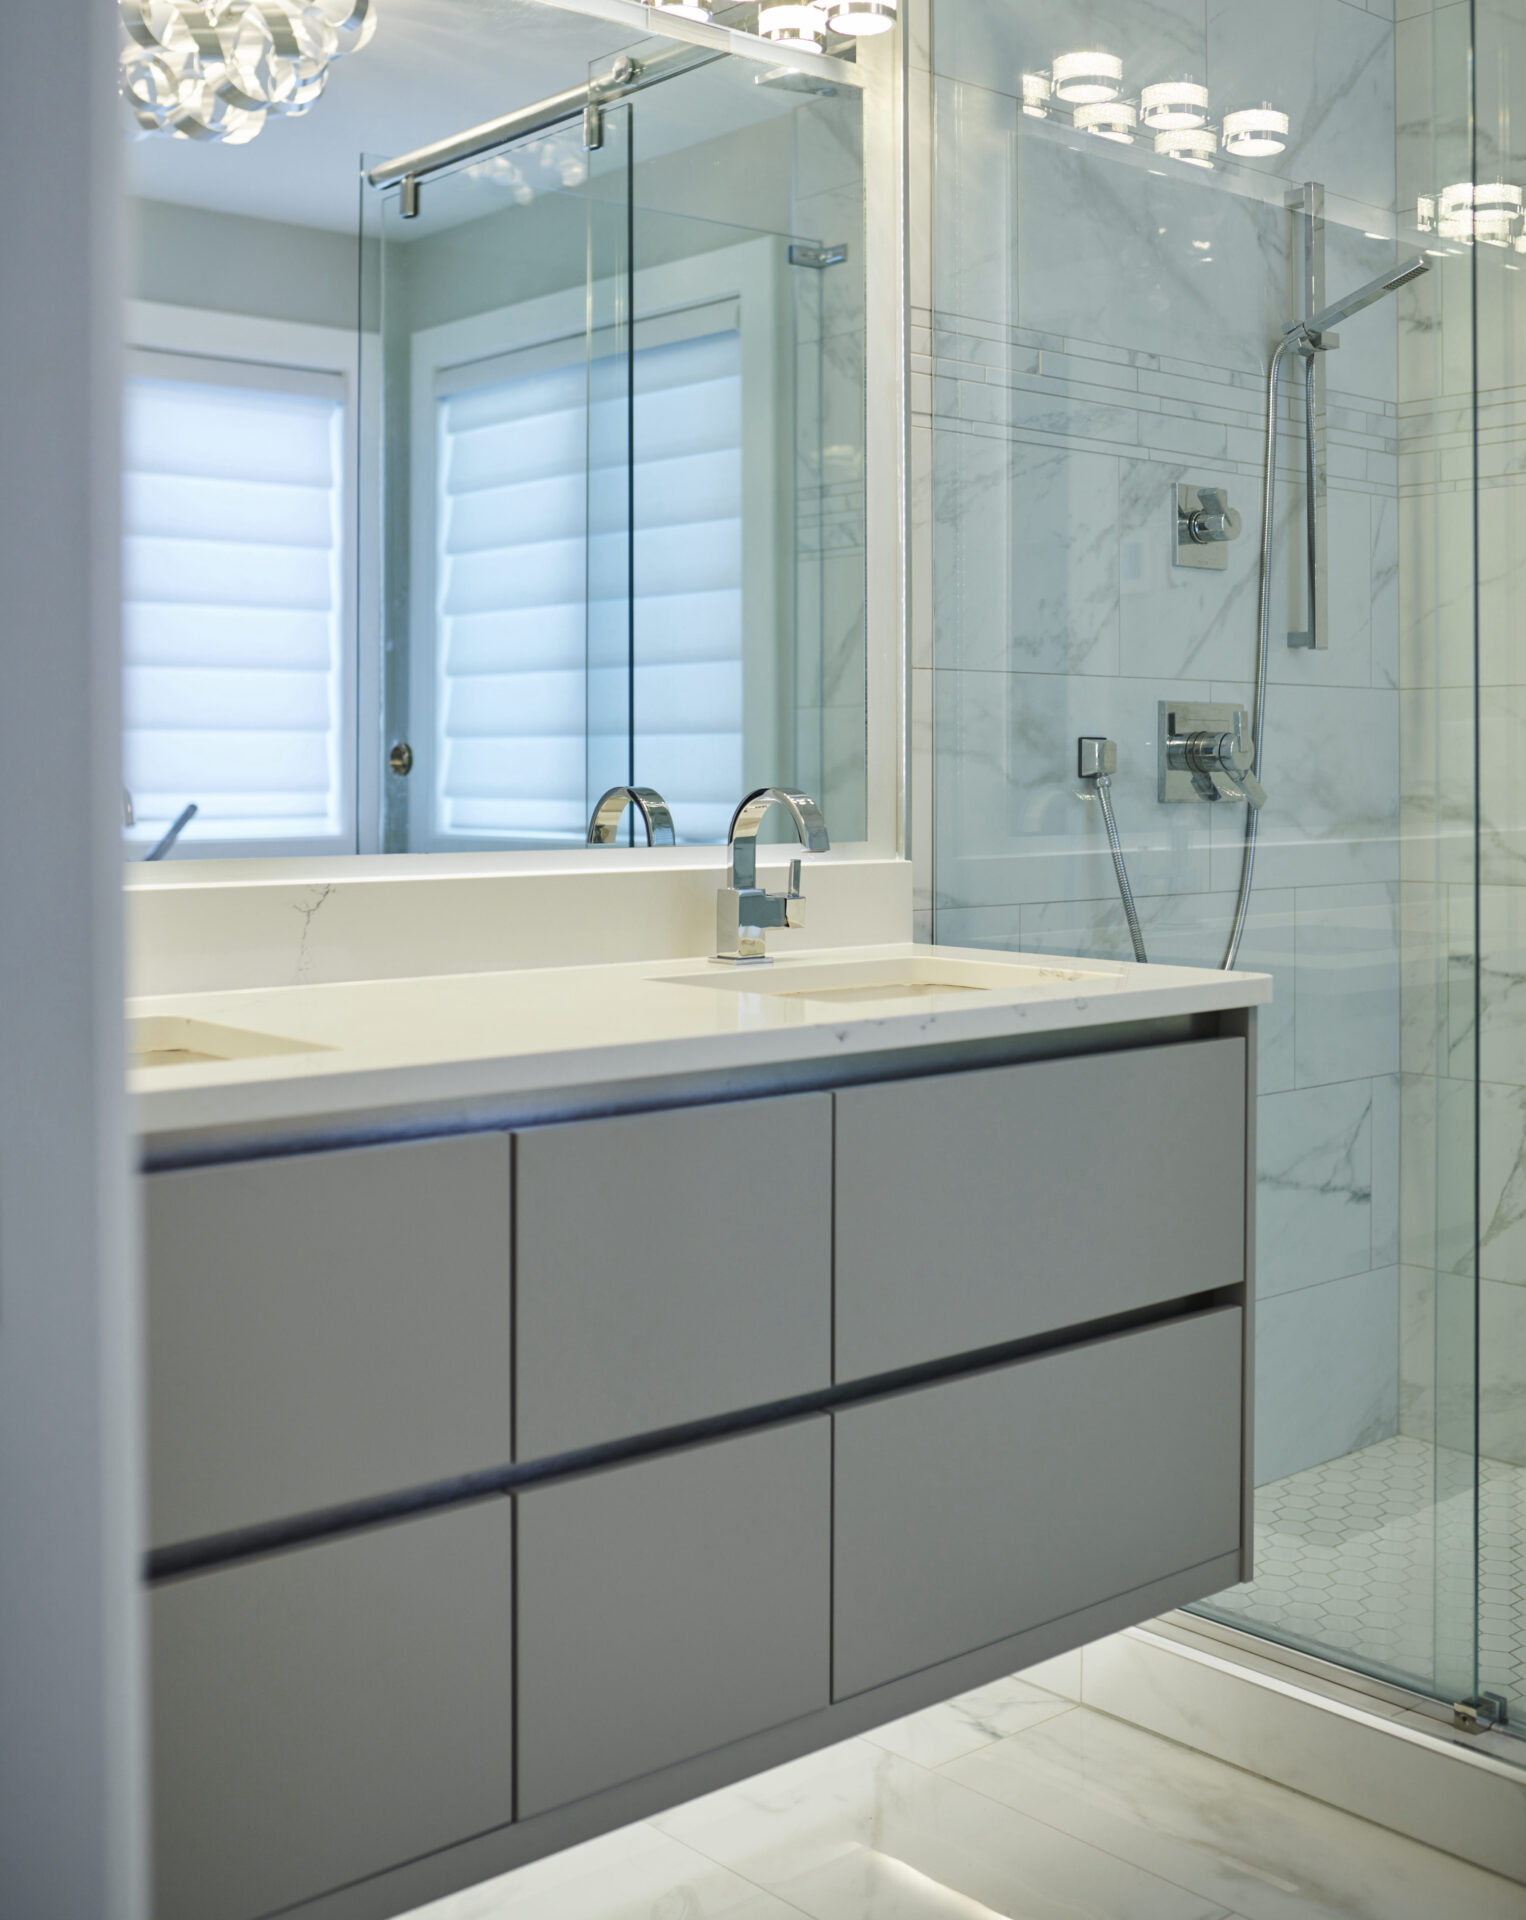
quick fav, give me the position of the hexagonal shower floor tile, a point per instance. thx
(1353, 1559)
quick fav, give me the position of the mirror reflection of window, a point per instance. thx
(235, 649)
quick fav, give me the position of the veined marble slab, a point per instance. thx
(461, 1042)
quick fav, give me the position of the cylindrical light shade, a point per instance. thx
(790, 22)
(1036, 91)
(1488, 210)
(1174, 103)
(861, 17)
(1252, 132)
(1081, 78)
(1193, 146)
(1108, 119)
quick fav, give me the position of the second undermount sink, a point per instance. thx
(176, 1040)
(850, 981)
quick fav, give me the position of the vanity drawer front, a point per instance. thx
(671, 1606)
(977, 1208)
(324, 1328)
(670, 1266)
(327, 1714)
(981, 1507)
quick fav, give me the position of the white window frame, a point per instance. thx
(754, 275)
(202, 344)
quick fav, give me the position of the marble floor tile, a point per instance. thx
(1072, 1817)
(1264, 1851)
(816, 1833)
(943, 1733)
(636, 1873)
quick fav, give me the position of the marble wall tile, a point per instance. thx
(974, 212)
(1314, 1187)
(1425, 985)
(1327, 1372)
(1017, 533)
(1436, 1160)
(1438, 1328)
(1013, 822)
(1501, 1181)
(1183, 622)
(1330, 766)
(1123, 255)
(1502, 1375)
(1501, 983)
(991, 42)
(1385, 1169)
(1348, 982)
(1331, 69)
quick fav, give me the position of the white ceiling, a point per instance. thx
(434, 68)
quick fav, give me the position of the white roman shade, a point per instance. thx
(534, 671)
(234, 603)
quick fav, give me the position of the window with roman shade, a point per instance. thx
(237, 663)
(542, 651)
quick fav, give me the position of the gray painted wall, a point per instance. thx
(71, 1816)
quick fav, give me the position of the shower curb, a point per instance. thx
(1383, 1756)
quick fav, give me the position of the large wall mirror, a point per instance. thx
(469, 475)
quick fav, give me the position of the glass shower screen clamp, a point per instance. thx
(1205, 524)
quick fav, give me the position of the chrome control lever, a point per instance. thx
(1211, 747)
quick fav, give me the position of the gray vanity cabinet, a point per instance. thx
(670, 1606)
(326, 1714)
(670, 1266)
(977, 1208)
(325, 1327)
(972, 1510)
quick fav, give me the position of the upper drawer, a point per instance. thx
(670, 1266)
(976, 1208)
(325, 1328)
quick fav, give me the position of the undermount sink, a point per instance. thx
(175, 1040)
(849, 981)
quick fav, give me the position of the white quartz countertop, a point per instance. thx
(464, 1042)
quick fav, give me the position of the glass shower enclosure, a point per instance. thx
(1130, 209)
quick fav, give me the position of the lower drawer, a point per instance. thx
(671, 1606)
(329, 1713)
(980, 1507)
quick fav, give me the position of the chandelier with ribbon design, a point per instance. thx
(220, 69)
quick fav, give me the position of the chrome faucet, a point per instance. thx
(604, 824)
(743, 910)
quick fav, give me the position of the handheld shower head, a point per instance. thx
(1386, 283)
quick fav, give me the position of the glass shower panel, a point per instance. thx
(1488, 1017)
(610, 718)
(501, 314)
(1116, 255)
(747, 661)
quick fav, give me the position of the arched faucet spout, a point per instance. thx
(743, 910)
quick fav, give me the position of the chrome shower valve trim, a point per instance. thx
(1206, 753)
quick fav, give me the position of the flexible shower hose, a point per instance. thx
(1104, 788)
